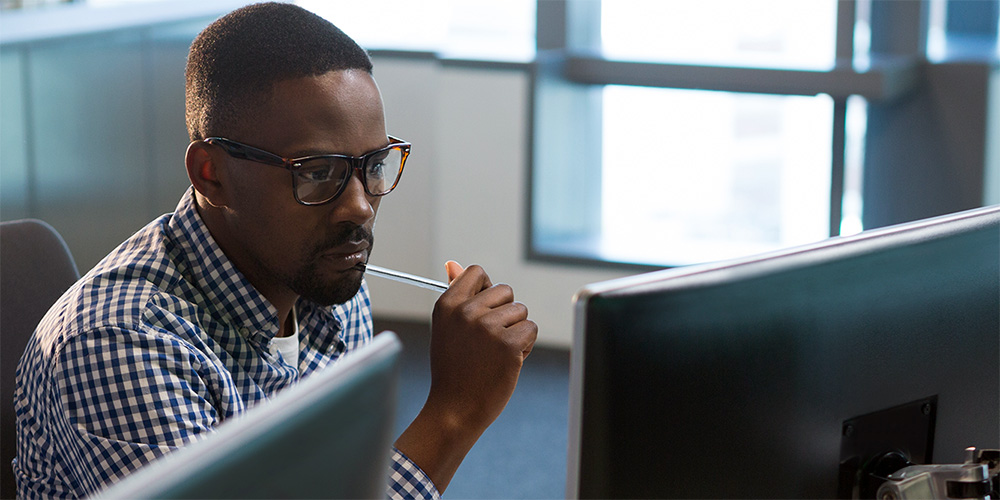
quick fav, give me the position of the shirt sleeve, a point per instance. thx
(117, 400)
(407, 481)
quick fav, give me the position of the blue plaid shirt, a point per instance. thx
(157, 345)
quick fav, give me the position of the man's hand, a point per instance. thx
(480, 337)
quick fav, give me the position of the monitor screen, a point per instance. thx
(740, 379)
(329, 436)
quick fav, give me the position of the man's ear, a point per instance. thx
(205, 173)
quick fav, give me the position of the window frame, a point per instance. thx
(569, 66)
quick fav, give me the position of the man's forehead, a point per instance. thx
(343, 85)
(339, 111)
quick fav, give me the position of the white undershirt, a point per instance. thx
(288, 346)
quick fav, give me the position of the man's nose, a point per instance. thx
(354, 204)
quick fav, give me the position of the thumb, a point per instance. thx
(453, 269)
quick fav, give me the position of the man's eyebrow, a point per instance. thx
(313, 152)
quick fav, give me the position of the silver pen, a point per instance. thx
(402, 277)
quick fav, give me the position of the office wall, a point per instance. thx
(93, 139)
(464, 195)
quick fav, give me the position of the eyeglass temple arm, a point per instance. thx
(244, 152)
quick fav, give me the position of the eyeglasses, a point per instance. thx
(320, 179)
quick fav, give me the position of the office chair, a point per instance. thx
(36, 267)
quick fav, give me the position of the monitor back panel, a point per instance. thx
(733, 380)
(329, 436)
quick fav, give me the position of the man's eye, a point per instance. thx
(316, 175)
(376, 170)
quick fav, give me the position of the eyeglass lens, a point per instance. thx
(321, 179)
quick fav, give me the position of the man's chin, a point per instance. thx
(329, 293)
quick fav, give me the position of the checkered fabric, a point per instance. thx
(157, 345)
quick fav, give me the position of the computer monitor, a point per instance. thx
(755, 378)
(329, 436)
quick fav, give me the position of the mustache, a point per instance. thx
(346, 235)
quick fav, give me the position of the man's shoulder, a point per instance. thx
(137, 277)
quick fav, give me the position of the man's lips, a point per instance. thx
(347, 256)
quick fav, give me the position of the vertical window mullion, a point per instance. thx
(839, 146)
(846, 21)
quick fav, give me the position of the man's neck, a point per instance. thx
(288, 325)
(282, 299)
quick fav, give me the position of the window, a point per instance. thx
(670, 133)
(712, 175)
(776, 33)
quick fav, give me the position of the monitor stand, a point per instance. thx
(875, 445)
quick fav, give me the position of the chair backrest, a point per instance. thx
(36, 267)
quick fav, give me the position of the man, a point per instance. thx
(254, 281)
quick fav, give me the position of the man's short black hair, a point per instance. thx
(235, 61)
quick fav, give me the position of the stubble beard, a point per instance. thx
(309, 282)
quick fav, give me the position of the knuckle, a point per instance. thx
(524, 333)
(502, 293)
(527, 334)
(493, 324)
(521, 309)
(466, 310)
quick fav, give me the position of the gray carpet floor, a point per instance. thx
(523, 454)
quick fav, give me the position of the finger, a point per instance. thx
(453, 269)
(526, 333)
(471, 281)
(493, 297)
(507, 315)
